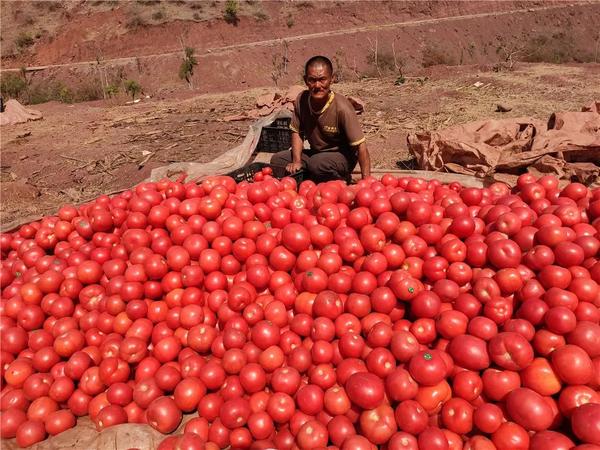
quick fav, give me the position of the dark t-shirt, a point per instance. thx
(333, 128)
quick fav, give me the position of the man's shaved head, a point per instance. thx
(318, 60)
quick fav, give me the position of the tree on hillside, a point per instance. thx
(133, 88)
(186, 70)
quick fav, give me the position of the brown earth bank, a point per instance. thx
(80, 151)
(363, 39)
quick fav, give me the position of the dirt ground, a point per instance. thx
(80, 151)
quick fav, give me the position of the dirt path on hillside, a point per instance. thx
(80, 151)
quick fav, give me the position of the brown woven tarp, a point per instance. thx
(15, 113)
(130, 436)
(567, 145)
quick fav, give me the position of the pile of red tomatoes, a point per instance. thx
(396, 313)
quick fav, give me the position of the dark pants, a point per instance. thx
(319, 166)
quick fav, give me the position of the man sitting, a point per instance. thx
(328, 121)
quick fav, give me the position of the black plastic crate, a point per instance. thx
(282, 122)
(274, 139)
(247, 172)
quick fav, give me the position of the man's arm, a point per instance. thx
(297, 145)
(364, 159)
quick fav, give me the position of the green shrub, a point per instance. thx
(158, 15)
(112, 90)
(231, 12)
(57, 91)
(65, 95)
(186, 69)
(23, 40)
(51, 91)
(132, 88)
(12, 85)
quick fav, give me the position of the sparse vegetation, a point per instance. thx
(138, 65)
(132, 88)
(135, 21)
(23, 41)
(433, 56)
(50, 5)
(196, 16)
(509, 54)
(290, 21)
(158, 15)
(261, 16)
(12, 85)
(383, 61)
(46, 92)
(471, 49)
(53, 6)
(186, 70)
(338, 67)
(557, 48)
(112, 90)
(304, 4)
(230, 14)
(57, 91)
(87, 92)
(280, 66)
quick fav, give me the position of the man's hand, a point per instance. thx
(293, 167)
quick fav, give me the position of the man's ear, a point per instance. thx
(334, 77)
(304, 78)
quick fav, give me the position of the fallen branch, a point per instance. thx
(145, 160)
(75, 159)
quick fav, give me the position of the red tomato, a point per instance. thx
(365, 390)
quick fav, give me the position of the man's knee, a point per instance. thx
(283, 157)
(279, 160)
(328, 166)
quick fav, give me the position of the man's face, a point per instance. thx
(318, 79)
